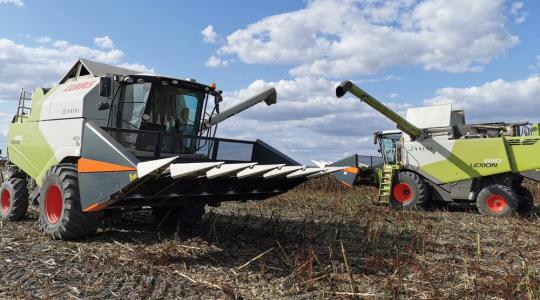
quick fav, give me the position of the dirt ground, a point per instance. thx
(318, 241)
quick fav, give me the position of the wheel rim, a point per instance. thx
(496, 203)
(53, 204)
(6, 200)
(402, 192)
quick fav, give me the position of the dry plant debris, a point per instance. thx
(320, 240)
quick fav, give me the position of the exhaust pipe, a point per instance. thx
(269, 96)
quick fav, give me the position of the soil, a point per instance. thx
(318, 241)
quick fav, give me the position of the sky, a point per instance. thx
(482, 56)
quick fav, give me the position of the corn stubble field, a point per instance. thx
(318, 241)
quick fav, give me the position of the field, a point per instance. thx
(318, 241)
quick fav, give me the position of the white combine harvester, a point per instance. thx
(110, 138)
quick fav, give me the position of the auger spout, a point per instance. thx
(269, 96)
(402, 124)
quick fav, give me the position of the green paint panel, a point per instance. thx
(524, 152)
(29, 150)
(471, 158)
(38, 99)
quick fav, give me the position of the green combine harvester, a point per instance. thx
(443, 159)
(111, 139)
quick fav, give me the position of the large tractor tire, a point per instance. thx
(60, 213)
(497, 200)
(14, 200)
(526, 200)
(179, 218)
(409, 191)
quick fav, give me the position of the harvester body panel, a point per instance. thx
(455, 160)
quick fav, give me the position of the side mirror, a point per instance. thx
(103, 106)
(106, 86)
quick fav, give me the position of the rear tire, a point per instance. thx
(60, 213)
(409, 191)
(14, 200)
(179, 218)
(526, 200)
(497, 200)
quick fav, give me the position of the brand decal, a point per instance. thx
(132, 176)
(419, 148)
(70, 110)
(487, 163)
(77, 140)
(17, 139)
(79, 86)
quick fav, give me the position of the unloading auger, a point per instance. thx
(109, 138)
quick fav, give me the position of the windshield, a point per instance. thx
(162, 108)
(132, 104)
(391, 147)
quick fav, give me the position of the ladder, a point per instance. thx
(385, 184)
(25, 102)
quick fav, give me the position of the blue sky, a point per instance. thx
(481, 55)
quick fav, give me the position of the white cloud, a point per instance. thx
(497, 100)
(18, 3)
(43, 65)
(44, 40)
(209, 35)
(137, 67)
(516, 10)
(104, 42)
(29, 67)
(308, 121)
(216, 62)
(352, 37)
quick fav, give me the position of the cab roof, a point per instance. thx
(96, 69)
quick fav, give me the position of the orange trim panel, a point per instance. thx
(95, 207)
(351, 170)
(86, 165)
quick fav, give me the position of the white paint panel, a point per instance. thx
(326, 171)
(64, 136)
(282, 171)
(191, 169)
(427, 151)
(147, 167)
(430, 116)
(257, 170)
(67, 99)
(304, 173)
(226, 169)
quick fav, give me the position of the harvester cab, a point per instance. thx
(113, 138)
(389, 143)
(436, 157)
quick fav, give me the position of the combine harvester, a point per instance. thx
(442, 159)
(108, 138)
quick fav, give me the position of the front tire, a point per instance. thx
(497, 201)
(60, 213)
(409, 191)
(14, 200)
